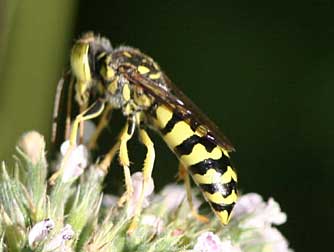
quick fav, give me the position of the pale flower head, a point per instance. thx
(109, 200)
(58, 243)
(253, 212)
(267, 239)
(153, 221)
(274, 241)
(40, 231)
(137, 183)
(209, 242)
(247, 203)
(174, 195)
(76, 162)
(33, 145)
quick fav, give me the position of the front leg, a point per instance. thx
(125, 136)
(147, 176)
(92, 112)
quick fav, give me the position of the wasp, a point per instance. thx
(125, 78)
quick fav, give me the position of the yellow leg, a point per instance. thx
(183, 174)
(126, 135)
(105, 163)
(93, 111)
(147, 174)
(101, 125)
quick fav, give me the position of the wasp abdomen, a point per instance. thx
(207, 162)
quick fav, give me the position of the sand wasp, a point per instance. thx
(124, 78)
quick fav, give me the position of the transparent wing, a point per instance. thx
(167, 93)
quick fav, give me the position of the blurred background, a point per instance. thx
(262, 71)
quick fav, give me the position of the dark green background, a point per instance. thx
(263, 71)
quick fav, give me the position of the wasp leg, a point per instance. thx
(147, 174)
(81, 124)
(105, 163)
(69, 109)
(126, 135)
(183, 174)
(101, 125)
(93, 111)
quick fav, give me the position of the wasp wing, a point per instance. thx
(167, 93)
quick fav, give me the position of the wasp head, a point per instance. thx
(85, 56)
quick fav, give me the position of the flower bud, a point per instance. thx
(33, 145)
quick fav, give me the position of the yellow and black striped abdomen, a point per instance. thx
(206, 161)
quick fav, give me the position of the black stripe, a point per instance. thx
(152, 110)
(194, 124)
(219, 165)
(222, 207)
(186, 147)
(171, 123)
(223, 189)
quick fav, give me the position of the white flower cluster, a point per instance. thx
(137, 183)
(209, 242)
(253, 212)
(254, 218)
(41, 231)
(77, 161)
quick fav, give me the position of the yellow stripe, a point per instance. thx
(163, 115)
(210, 177)
(223, 216)
(218, 198)
(199, 154)
(179, 133)
(126, 93)
(228, 175)
(127, 54)
(225, 152)
(143, 69)
(155, 76)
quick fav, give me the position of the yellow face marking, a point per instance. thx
(211, 176)
(199, 153)
(155, 76)
(223, 216)
(228, 175)
(112, 87)
(127, 54)
(110, 73)
(164, 115)
(126, 92)
(143, 69)
(179, 133)
(219, 199)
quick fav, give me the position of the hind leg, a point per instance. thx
(183, 174)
